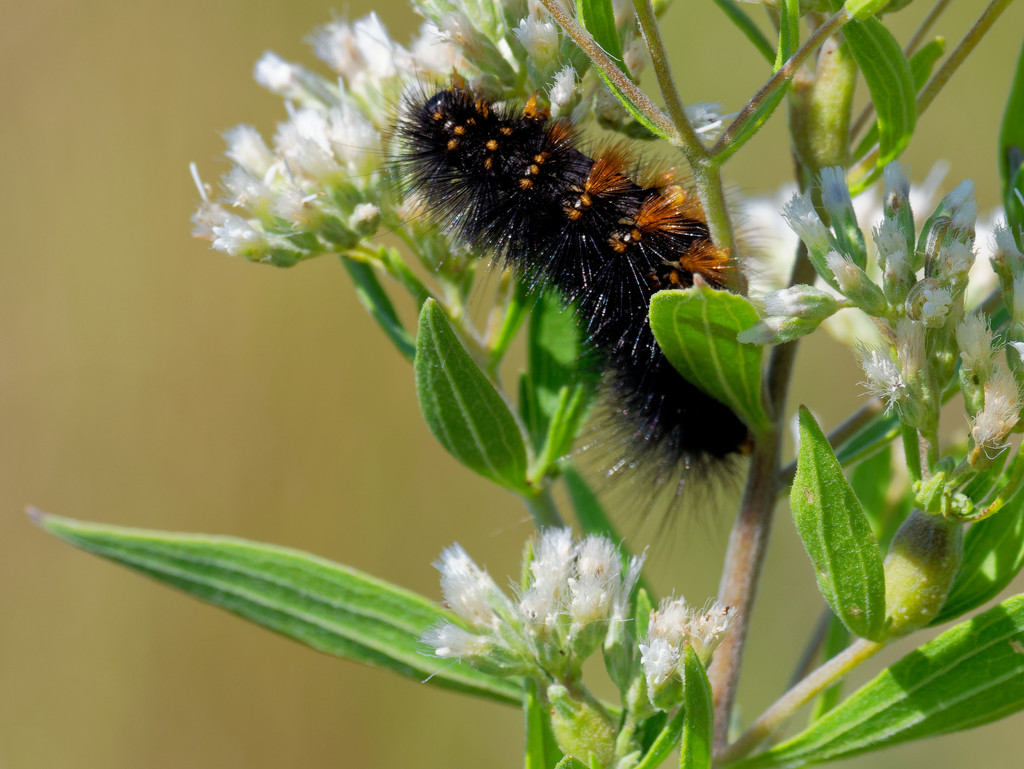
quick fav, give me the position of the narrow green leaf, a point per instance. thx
(993, 556)
(462, 408)
(837, 535)
(555, 354)
(836, 639)
(921, 64)
(862, 9)
(664, 743)
(327, 606)
(598, 18)
(890, 83)
(541, 750)
(565, 424)
(869, 439)
(376, 301)
(870, 480)
(696, 329)
(749, 29)
(1011, 150)
(698, 726)
(970, 675)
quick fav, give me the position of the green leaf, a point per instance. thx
(1011, 150)
(598, 18)
(869, 438)
(462, 408)
(870, 481)
(890, 83)
(541, 749)
(696, 328)
(562, 431)
(664, 743)
(373, 297)
(862, 9)
(970, 675)
(921, 64)
(698, 727)
(327, 606)
(556, 358)
(749, 29)
(993, 556)
(837, 535)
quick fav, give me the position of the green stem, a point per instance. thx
(724, 146)
(640, 100)
(692, 146)
(774, 717)
(543, 509)
(926, 25)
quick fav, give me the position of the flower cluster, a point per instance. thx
(914, 290)
(577, 597)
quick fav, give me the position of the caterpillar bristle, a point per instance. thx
(512, 183)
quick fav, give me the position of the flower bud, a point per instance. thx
(580, 729)
(923, 559)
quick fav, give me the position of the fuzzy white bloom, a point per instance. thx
(707, 119)
(974, 338)
(707, 628)
(883, 375)
(247, 148)
(891, 242)
(353, 141)
(955, 260)
(448, 640)
(360, 50)
(278, 76)
(835, 194)
(963, 206)
(305, 144)
(539, 36)
(593, 589)
(363, 215)
(236, 236)
(563, 90)
(467, 588)
(805, 222)
(660, 660)
(847, 275)
(541, 604)
(1005, 244)
(935, 306)
(910, 347)
(624, 589)
(670, 620)
(244, 190)
(896, 184)
(1001, 412)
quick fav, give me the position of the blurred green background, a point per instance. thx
(149, 381)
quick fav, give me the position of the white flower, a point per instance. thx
(910, 347)
(883, 375)
(1001, 412)
(835, 195)
(963, 206)
(247, 148)
(541, 604)
(539, 36)
(974, 338)
(563, 90)
(660, 659)
(805, 222)
(448, 640)
(236, 236)
(359, 51)
(935, 306)
(468, 589)
(277, 75)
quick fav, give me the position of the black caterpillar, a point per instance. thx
(511, 183)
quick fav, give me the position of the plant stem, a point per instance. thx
(926, 25)
(748, 541)
(610, 69)
(724, 146)
(543, 509)
(659, 57)
(941, 76)
(784, 707)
